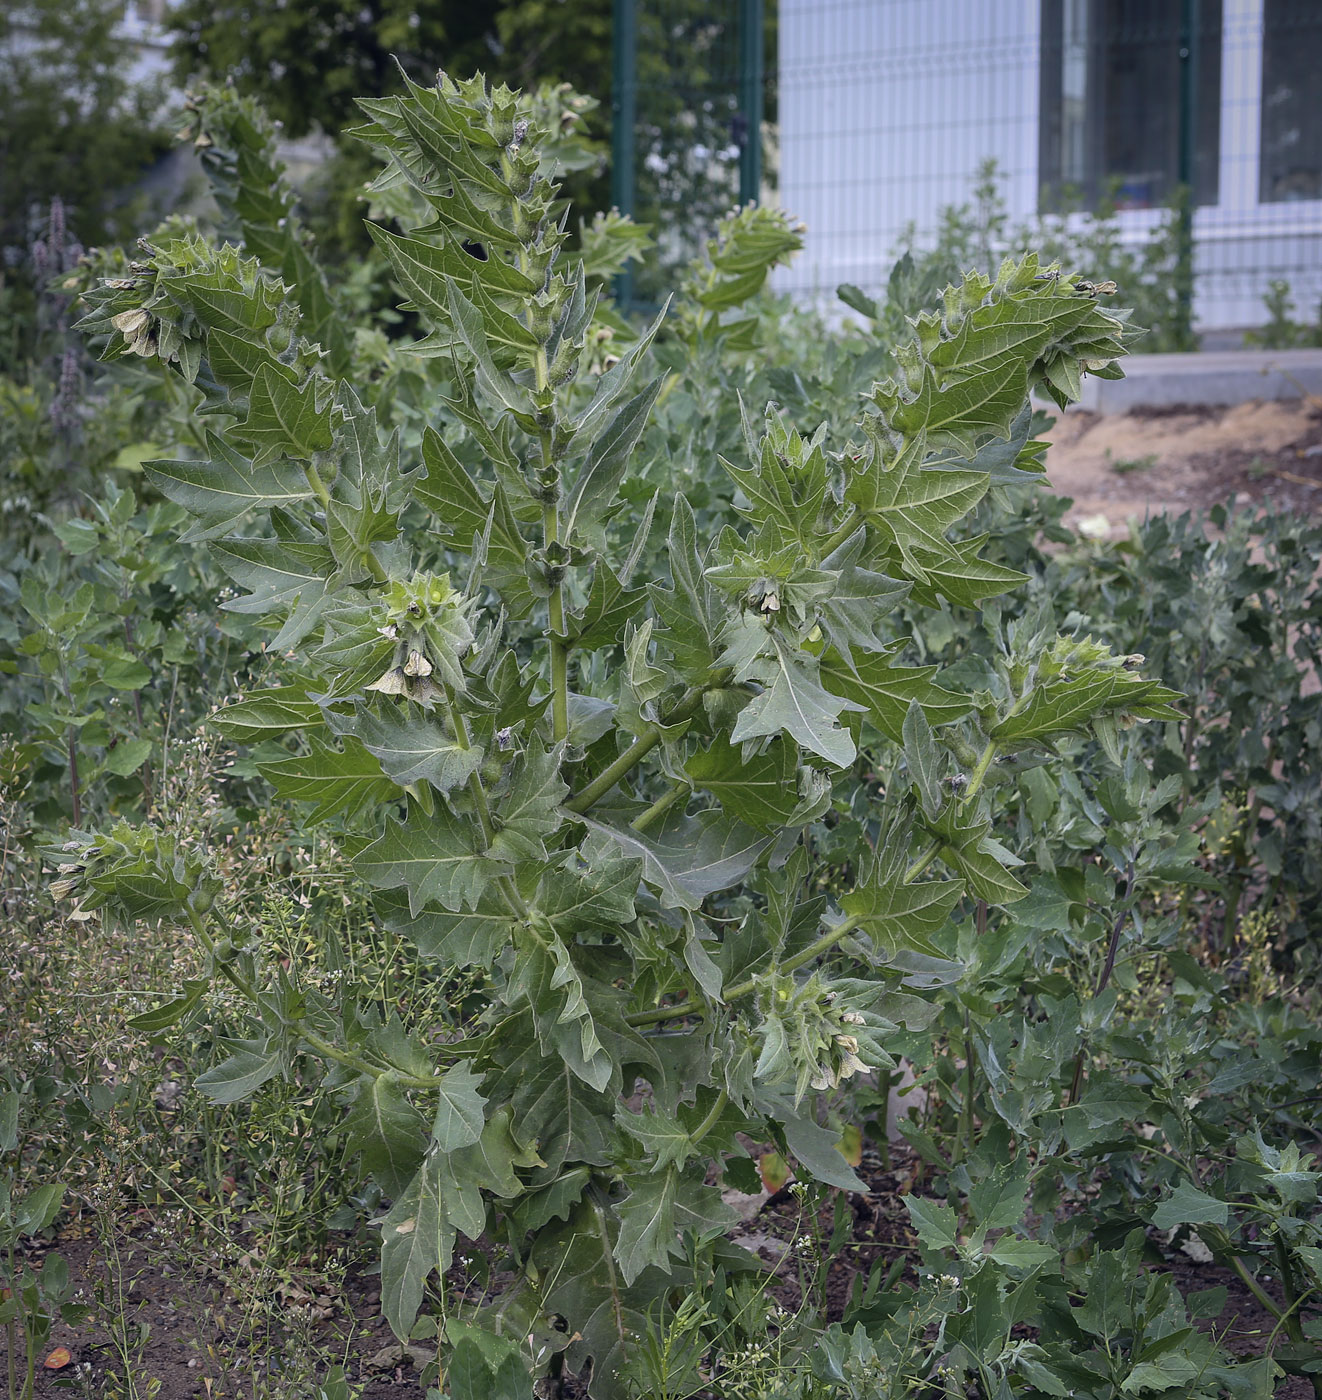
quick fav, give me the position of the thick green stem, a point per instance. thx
(475, 788)
(660, 807)
(710, 1121)
(513, 899)
(313, 477)
(1290, 1316)
(980, 772)
(1264, 1298)
(851, 523)
(741, 989)
(814, 950)
(1112, 947)
(667, 1013)
(930, 852)
(556, 613)
(921, 862)
(319, 1043)
(970, 1063)
(634, 754)
(609, 776)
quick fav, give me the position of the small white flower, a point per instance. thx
(393, 682)
(1196, 1249)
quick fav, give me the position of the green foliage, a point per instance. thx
(1282, 331)
(660, 771)
(76, 129)
(1156, 274)
(1234, 620)
(30, 1301)
(591, 793)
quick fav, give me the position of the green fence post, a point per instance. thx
(624, 112)
(750, 99)
(1183, 335)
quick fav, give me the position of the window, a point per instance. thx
(1111, 120)
(1291, 165)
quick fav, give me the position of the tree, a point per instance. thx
(310, 61)
(75, 124)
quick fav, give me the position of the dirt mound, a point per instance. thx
(1131, 465)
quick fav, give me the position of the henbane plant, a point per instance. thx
(588, 787)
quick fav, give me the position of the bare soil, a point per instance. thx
(1117, 468)
(197, 1345)
(1123, 467)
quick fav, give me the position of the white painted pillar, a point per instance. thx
(1241, 104)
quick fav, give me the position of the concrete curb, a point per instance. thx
(1211, 378)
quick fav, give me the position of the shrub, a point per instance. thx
(706, 847)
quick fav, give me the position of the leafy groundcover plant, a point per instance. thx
(586, 790)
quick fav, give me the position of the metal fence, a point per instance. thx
(693, 85)
(878, 116)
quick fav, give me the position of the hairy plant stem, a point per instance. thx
(319, 489)
(514, 901)
(710, 1121)
(559, 646)
(851, 523)
(930, 852)
(971, 1052)
(319, 1043)
(475, 788)
(694, 1009)
(661, 806)
(1112, 947)
(1268, 1303)
(555, 604)
(920, 862)
(684, 708)
(741, 989)
(1289, 1317)
(980, 772)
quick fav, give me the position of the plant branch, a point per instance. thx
(661, 806)
(980, 772)
(710, 1121)
(556, 617)
(741, 989)
(814, 950)
(1112, 947)
(1264, 1298)
(666, 1013)
(475, 788)
(635, 753)
(318, 1042)
(921, 862)
(850, 524)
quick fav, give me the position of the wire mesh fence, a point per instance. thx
(694, 84)
(1193, 126)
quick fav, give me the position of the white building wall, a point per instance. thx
(888, 108)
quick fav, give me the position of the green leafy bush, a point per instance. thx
(592, 788)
